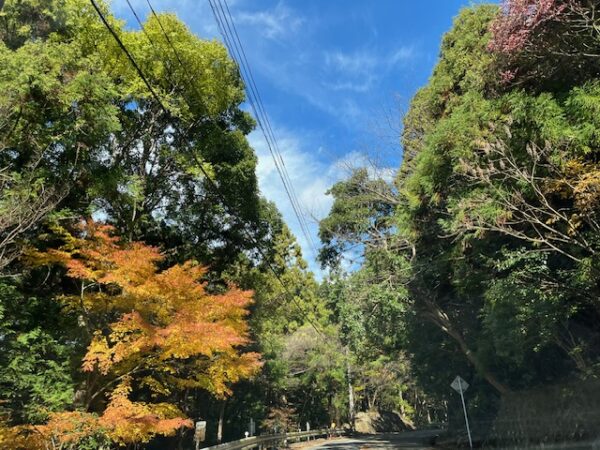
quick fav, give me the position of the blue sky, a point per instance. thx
(335, 77)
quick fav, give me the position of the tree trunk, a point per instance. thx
(441, 319)
(369, 402)
(351, 408)
(489, 377)
(220, 424)
(401, 401)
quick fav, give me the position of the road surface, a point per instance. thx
(416, 440)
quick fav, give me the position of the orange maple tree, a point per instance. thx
(155, 330)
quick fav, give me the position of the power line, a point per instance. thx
(256, 91)
(154, 46)
(213, 184)
(129, 57)
(165, 33)
(170, 75)
(237, 52)
(267, 122)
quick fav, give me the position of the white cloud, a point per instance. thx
(360, 70)
(354, 63)
(361, 86)
(350, 71)
(329, 80)
(273, 24)
(376, 168)
(285, 58)
(402, 55)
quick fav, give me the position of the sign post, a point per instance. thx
(460, 386)
(200, 433)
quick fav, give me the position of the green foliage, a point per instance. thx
(35, 366)
(360, 215)
(488, 187)
(370, 305)
(481, 258)
(303, 372)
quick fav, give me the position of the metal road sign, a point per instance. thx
(459, 385)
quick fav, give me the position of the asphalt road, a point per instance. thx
(416, 440)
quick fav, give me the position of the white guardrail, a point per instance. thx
(275, 440)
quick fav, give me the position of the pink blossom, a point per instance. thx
(519, 20)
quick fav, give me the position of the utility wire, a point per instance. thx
(129, 57)
(267, 121)
(285, 178)
(165, 33)
(236, 50)
(253, 99)
(260, 104)
(213, 184)
(170, 74)
(154, 46)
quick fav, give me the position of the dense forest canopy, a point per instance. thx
(145, 282)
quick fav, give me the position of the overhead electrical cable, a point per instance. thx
(294, 198)
(236, 50)
(128, 54)
(258, 97)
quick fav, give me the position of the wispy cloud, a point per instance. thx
(350, 71)
(197, 15)
(355, 63)
(295, 55)
(279, 48)
(359, 71)
(274, 23)
(311, 177)
(376, 168)
(402, 55)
